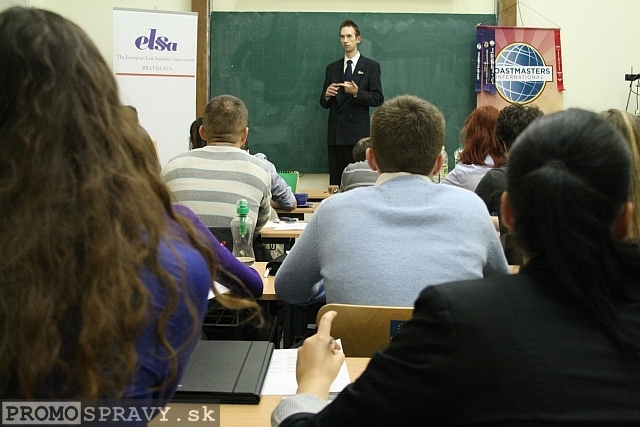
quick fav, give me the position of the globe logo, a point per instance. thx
(521, 73)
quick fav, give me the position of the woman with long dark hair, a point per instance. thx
(103, 287)
(556, 345)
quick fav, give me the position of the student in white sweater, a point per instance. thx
(382, 245)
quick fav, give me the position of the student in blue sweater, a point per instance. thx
(103, 286)
(382, 245)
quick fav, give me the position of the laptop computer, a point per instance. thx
(225, 372)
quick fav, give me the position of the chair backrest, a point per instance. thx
(365, 329)
(291, 178)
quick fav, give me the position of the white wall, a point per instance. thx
(387, 6)
(96, 16)
(599, 38)
(600, 44)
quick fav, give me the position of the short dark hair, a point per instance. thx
(350, 23)
(360, 149)
(224, 119)
(512, 120)
(407, 135)
(195, 140)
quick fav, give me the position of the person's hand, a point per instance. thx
(350, 87)
(319, 360)
(332, 90)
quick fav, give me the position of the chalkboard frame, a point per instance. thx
(275, 62)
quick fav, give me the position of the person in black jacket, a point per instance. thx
(351, 86)
(556, 345)
(512, 120)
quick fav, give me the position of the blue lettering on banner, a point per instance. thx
(153, 42)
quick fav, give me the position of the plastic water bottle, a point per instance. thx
(242, 227)
(457, 153)
(444, 170)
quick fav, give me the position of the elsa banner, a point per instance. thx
(154, 60)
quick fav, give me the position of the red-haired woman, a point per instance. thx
(481, 150)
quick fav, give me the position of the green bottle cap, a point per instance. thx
(242, 207)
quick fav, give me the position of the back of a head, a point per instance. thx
(224, 119)
(512, 120)
(480, 138)
(568, 177)
(568, 183)
(195, 140)
(359, 151)
(407, 134)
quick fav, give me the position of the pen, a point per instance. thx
(266, 273)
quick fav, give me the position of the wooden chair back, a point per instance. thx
(364, 329)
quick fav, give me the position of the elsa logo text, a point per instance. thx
(155, 42)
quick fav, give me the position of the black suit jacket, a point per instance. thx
(349, 116)
(503, 351)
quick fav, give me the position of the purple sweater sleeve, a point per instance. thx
(228, 263)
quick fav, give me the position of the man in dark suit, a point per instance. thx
(351, 86)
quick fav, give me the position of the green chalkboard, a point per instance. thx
(275, 62)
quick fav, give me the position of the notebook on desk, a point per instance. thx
(225, 372)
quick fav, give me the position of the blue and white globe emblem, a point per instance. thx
(520, 56)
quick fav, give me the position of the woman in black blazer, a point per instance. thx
(556, 344)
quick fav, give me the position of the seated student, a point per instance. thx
(481, 150)
(512, 120)
(409, 233)
(556, 345)
(232, 273)
(629, 125)
(358, 174)
(103, 287)
(210, 180)
(281, 195)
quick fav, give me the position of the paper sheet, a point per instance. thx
(221, 289)
(290, 226)
(281, 375)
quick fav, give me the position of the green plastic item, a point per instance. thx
(242, 209)
(291, 178)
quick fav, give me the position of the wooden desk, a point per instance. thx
(316, 195)
(272, 233)
(269, 292)
(243, 415)
(285, 237)
(298, 212)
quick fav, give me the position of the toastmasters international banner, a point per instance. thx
(518, 65)
(154, 60)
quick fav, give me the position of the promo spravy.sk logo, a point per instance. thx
(155, 42)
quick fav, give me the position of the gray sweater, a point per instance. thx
(382, 245)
